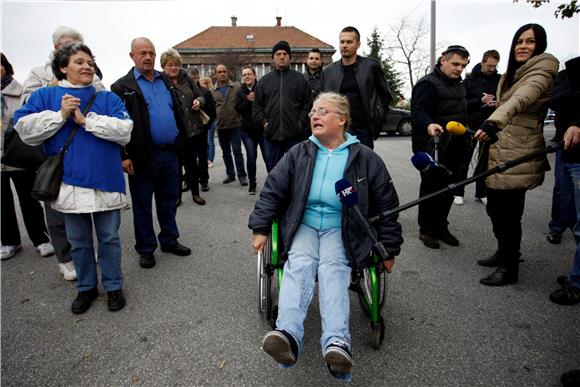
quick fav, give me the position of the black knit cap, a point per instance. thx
(281, 45)
(456, 49)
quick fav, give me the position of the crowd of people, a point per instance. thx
(312, 130)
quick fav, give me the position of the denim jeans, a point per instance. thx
(230, 141)
(251, 146)
(561, 216)
(79, 230)
(316, 253)
(570, 199)
(162, 181)
(211, 143)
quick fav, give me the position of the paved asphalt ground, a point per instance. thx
(194, 321)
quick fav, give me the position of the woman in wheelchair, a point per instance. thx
(321, 239)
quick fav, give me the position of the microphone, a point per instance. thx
(346, 193)
(424, 162)
(458, 129)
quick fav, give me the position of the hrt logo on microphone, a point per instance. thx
(346, 192)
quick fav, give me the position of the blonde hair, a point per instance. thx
(206, 81)
(168, 55)
(339, 102)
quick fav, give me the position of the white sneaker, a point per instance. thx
(481, 200)
(458, 200)
(45, 249)
(68, 270)
(7, 252)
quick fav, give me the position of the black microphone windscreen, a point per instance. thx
(422, 161)
(346, 193)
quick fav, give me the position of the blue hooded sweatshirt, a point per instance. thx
(323, 209)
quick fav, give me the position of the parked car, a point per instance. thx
(398, 121)
(550, 117)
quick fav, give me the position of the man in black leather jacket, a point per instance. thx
(362, 80)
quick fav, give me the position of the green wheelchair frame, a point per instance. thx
(370, 284)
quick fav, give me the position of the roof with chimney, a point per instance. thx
(255, 38)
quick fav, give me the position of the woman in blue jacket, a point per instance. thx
(322, 239)
(93, 185)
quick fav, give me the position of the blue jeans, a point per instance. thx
(211, 143)
(570, 200)
(316, 253)
(162, 181)
(79, 231)
(561, 216)
(251, 146)
(230, 140)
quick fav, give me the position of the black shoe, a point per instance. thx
(115, 300)
(429, 240)
(570, 378)
(554, 238)
(281, 346)
(84, 300)
(243, 181)
(185, 187)
(447, 238)
(176, 249)
(199, 200)
(338, 359)
(567, 295)
(228, 179)
(204, 187)
(492, 261)
(500, 277)
(561, 280)
(252, 190)
(147, 260)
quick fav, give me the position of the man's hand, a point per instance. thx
(572, 137)
(128, 166)
(259, 242)
(434, 130)
(389, 265)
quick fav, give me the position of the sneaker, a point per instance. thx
(243, 181)
(45, 249)
(84, 300)
(281, 346)
(338, 358)
(68, 270)
(115, 300)
(228, 179)
(481, 200)
(252, 190)
(458, 200)
(7, 252)
(568, 294)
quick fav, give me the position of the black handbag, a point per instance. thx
(49, 175)
(18, 154)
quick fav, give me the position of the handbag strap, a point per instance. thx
(77, 126)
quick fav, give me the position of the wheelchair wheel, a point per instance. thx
(377, 333)
(365, 297)
(261, 277)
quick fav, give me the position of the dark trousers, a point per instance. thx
(364, 135)
(230, 141)
(57, 232)
(161, 181)
(275, 150)
(505, 209)
(195, 161)
(433, 212)
(464, 170)
(32, 213)
(251, 145)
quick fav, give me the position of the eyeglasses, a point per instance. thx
(321, 112)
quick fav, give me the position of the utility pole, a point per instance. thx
(433, 29)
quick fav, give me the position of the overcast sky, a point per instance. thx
(109, 26)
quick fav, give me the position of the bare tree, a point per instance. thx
(408, 39)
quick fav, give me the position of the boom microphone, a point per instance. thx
(424, 162)
(348, 196)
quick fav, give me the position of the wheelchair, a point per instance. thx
(370, 284)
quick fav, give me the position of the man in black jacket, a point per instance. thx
(281, 105)
(314, 71)
(480, 86)
(151, 155)
(363, 82)
(439, 97)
